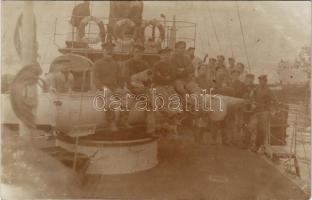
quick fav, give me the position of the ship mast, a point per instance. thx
(29, 47)
(28, 56)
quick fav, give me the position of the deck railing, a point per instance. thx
(64, 31)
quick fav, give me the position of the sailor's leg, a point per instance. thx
(113, 113)
(253, 129)
(150, 122)
(263, 127)
(127, 104)
(245, 131)
(229, 130)
(239, 128)
(114, 120)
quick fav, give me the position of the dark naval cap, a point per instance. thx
(263, 77)
(221, 56)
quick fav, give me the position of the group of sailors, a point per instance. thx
(180, 72)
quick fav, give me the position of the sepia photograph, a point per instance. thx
(156, 100)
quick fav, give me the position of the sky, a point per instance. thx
(273, 30)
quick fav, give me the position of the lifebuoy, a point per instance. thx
(157, 24)
(121, 27)
(85, 21)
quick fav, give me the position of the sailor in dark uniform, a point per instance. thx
(220, 62)
(139, 81)
(183, 67)
(236, 122)
(163, 72)
(164, 75)
(212, 63)
(232, 64)
(212, 68)
(106, 72)
(135, 65)
(163, 81)
(262, 99)
(247, 112)
(249, 83)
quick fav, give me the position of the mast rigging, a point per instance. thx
(242, 31)
(214, 28)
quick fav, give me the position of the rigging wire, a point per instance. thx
(201, 42)
(242, 31)
(228, 30)
(208, 40)
(210, 46)
(214, 28)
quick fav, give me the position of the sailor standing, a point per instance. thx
(220, 62)
(196, 61)
(183, 67)
(139, 82)
(241, 68)
(249, 87)
(164, 74)
(106, 73)
(259, 124)
(136, 64)
(232, 66)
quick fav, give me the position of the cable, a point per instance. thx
(228, 30)
(201, 41)
(209, 43)
(241, 28)
(214, 28)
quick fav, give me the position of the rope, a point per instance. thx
(228, 30)
(242, 31)
(209, 43)
(89, 28)
(214, 28)
(201, 41)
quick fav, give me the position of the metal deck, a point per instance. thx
(190, 171)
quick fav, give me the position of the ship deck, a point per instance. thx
(187, 170)
(190, 171)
